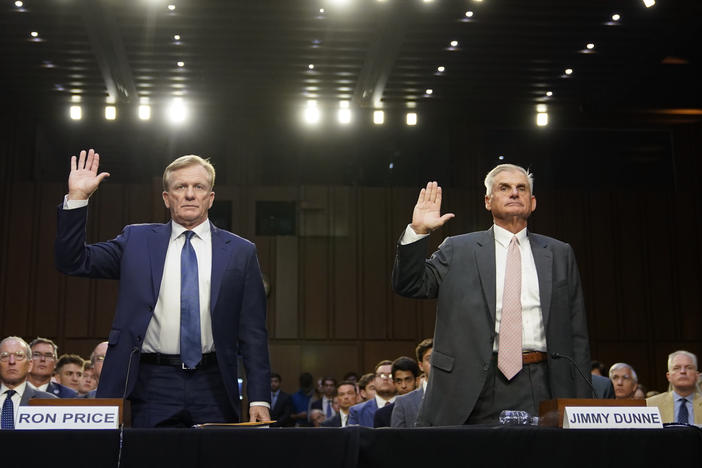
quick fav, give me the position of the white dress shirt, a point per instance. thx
(533, 333)
(381, 402)
(16, 398)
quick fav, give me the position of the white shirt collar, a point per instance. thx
(504, 237)
(19, 389)
(202, 230)
(380, 402)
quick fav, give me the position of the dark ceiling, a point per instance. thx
(509, 54)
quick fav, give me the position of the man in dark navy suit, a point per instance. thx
(44, 357)
(191, 302)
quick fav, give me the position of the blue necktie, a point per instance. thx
(190, 347)
(683, 415)
(8, 411)
(329, 409)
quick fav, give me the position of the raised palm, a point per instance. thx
(427, 212)
(84, 178)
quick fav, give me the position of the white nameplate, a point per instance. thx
(67, 417)
(611, 417)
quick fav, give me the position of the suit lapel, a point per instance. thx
(158, 245)
(697, 408)
(485, 263)
(220, 258)
(543, 258)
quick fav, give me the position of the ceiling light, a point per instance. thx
(310, 66)
(75, 98)
(19, 4)
(176, 37)
(429, 91)
(501, 157)
(378, 117)
(469, 14)
(649, 3)
(110, 112)
(454, 43)
(321, 10)
(549, 93)
(181, 64)
(144, 112)
(312, 114)
(171, 7)
(411, 119)
(344, 113)
(75, 112)
(568, 71)
(541, 108)
(542, 119)
(590, 46)
(441, 69)
(177, 112)
(616, 17)
(34, 34)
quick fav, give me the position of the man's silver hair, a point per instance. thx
(672, 355)
(620, 365)
(27, 349)
(490, 177)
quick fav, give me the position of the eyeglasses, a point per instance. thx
(384, 376)
(38, 356)
(19, 356)
(688, 368)
(99, 357)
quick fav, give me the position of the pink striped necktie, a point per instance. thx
(509, 353)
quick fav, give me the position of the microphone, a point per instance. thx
(572, 361)
(129, 366)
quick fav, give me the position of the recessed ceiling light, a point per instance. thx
(441, 68)
(378, 117)
(541, 108)
(549, 93)
(429, 91)
(590, 46)
(454, 43)
(176, 37)
(181, 64)
(34, 34)
(171, 7)
(568, 71)
(649, 3)
(469, 14)
(411, 119)
(321, 10)
(19, 4)
(310, 66)
(616, 17)
(75, 112)
(542, 119)
(501, 157)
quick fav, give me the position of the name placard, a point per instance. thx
(67, 417)
(610, 417)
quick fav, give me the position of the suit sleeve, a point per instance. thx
(353, 417)
(253, 336)
(578, 320)
(413, 276)
(74, 257)
(398, 418)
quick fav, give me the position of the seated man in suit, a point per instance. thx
(44, 357)
(366, 387)
(281, 404)
(406, 407)
(405, 375)
(15, 365)
(88, 383)
(69, 371)
(325, 403)
(363, 413)
(347, 396)
(683, 404)
(625, 380)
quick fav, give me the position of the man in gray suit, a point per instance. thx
(503, 295)
(404, 412)
(15, 364)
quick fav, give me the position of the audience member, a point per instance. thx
(15, 365)
(346, 395)
(406, 407)
(405, 374)
(640, 393)
(281, 404)
(366, 387)
(597, 368)
(625, 380)
(682, 404)
(316, 417)
(301, 399)
(44, 356)
(97, 359)
(351, 377)
(88, 383)
(363, 413)
(69, 371)
(326, 402)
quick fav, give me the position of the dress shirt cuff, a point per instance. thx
(260, 403)
(410, 236)
(73, 204)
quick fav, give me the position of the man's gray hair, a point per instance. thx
(490, 177)
(672, 355)
(39, 340)
(623, 365)
(28, 350)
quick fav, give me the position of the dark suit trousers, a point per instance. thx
(524, 392)
(167, 396)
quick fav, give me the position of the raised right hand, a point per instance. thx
(427, 212)
(84, 179)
